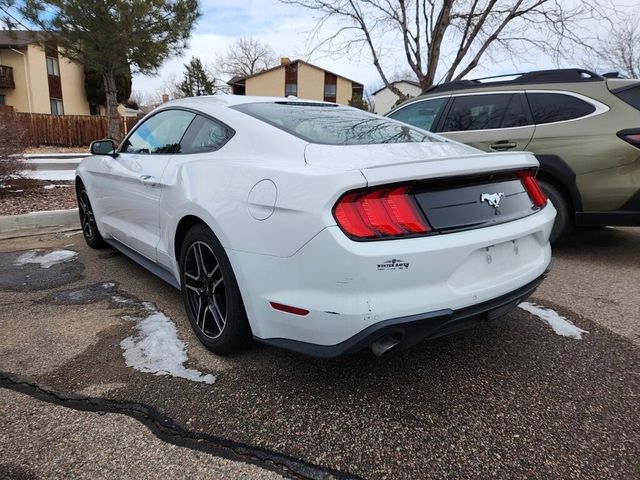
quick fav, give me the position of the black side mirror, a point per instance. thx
(103, 147)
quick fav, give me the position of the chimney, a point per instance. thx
(165, 98)
(284, 60)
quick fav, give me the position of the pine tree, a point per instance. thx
(114, 37)
(196, 81)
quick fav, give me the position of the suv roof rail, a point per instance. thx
(564, 75)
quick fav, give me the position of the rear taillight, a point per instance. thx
(531, 185)
(380, 213)
(631, 136)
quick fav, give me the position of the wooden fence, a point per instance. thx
(64, 130)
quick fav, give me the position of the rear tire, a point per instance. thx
(87, 219)
(564, 218)
(210, 293)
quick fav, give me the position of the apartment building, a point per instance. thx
(37, 78)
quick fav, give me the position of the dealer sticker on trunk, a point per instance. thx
(393, 264)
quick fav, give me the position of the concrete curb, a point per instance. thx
(37, 223)
(49, 156)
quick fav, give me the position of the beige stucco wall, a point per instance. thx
(16, 97)
(268, 84)
(344, 91)
(32, 87)
(73, 93)
(310, 82)
(38, 77)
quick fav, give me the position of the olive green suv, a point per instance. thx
(583, 128)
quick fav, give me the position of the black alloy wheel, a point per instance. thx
(210, 293)
(88, 220)
(205, 287)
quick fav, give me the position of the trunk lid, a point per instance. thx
(399, 162)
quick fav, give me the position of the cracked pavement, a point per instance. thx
(509, 399)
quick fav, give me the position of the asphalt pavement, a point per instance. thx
(508, 399)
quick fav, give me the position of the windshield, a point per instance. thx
(334, 125)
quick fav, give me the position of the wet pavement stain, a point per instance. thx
(32, 276)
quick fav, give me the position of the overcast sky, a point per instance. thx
(287, 30)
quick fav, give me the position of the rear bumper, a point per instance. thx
(413, 329)
(348, 286)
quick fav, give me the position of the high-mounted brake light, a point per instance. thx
(380, 212)
(531, 185)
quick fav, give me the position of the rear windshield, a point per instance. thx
(334, 125)
(630, 95)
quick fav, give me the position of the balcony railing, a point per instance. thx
(6, 77)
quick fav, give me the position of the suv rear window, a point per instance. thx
(483, 112)
(630, 95)
(334, 125)
(557, 107)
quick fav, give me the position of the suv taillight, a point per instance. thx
(380, 213)
(531, 185)
(631, 136)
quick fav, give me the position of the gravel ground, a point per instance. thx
(65, 443)
(510, 399)
(28, 195)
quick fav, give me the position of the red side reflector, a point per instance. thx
(289, 309)
(531, 185)
(380, 212)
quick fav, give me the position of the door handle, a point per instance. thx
(503, 145)
(148, 178)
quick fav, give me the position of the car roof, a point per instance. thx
(224, 100)
(538, 77)
(569, 79)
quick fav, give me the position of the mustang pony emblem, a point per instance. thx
(493, 199)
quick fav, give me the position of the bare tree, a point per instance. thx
(12, 144)
(247, 56)
(620, 51)
(447, 39)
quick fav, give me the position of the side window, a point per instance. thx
(482, 112)
(515, 116)
(205, 135)
(160, 133)
(557, 107)
(420, 114)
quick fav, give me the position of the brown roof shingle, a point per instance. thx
(18, 38)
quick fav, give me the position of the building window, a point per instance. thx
(330, 87)
(291, 89)
(3, 100)
(56, 107)
(52, 67)
(291, 80)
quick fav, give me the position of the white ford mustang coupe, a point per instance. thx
(316, 227)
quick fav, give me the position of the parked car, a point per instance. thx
(583, 128)
(316, 227)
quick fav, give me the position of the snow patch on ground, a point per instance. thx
(66, 175)
(157, 349)
(48, 259)
(560, 324)
(51, 186)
